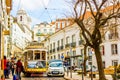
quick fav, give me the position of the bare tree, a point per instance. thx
(91, 16)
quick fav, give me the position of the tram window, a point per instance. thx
(37, 56)
(30, 55)
(43, 55)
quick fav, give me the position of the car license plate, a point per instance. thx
(55, 72)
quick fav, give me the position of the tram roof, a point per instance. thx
(35, 45)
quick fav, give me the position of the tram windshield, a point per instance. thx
(36, 64)
(36, 55)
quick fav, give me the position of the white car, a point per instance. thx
(56, 69)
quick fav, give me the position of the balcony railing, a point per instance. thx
(61, 47)
(113, 36)
(58, 48)
(50, 51)
(73, 44)
(53, 50)
(67, 45)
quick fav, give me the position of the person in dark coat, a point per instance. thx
(12, 66)
(8, 67)
(19, 68)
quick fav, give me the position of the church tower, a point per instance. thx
(23, 18)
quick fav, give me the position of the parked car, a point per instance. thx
(88, 69)
(56, 69)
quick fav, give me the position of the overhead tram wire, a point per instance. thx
(45, 7)
(19, 4)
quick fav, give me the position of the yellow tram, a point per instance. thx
(35, 58)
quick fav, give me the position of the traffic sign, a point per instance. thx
(62, 57)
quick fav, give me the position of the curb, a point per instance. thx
(66, 78)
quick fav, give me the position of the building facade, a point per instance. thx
(43, 30)
(5, 8)
(67, 44)
(21, 33)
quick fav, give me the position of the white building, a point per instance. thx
(58, 46)
(5, 8)
(21, 34)
(42, 30)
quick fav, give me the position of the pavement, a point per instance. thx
(76, 76)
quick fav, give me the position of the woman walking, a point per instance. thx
(19, 68)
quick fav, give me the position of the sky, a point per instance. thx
(41, 10)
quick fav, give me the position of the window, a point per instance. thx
(58, 43)
(58, 56)
(54, 57)
(43, 55)
(58, 25)
(39, 39)
(82, 51)
(114, 49)
(102, 50)
(114, 62)
(73, 38)
(68, 54)
(50, 30)
(104, 64)
(51, 57)
(63, 24)
(45, 30)
(61, 42)
(37, 56)
(74, 53)
(50, 46)
(38, 30)
(54, 45)
(67, 40)
(20, 18)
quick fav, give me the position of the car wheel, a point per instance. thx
(62, 76)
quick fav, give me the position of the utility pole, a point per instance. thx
(91, 69)
(90, 55)
(82, 67)
(70, 61)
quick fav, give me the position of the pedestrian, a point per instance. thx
(8, 68)
(12, 66)
(19, 68)
(5, 67)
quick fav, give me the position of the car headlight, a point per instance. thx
(49, 69)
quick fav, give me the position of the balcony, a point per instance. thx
(67, 45)
(61, 47)
(58, 48)
(53, 50)
(113, 36)
(73, 44)
(40, 34)
(50, 51)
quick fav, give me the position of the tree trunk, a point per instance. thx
(85, 59)
(99, 62)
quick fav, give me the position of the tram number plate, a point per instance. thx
(55, 72)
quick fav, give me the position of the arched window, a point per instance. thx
(20, 18)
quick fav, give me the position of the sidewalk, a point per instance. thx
(76, 76)
(10, 77)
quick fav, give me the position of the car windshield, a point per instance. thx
(56, 64)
